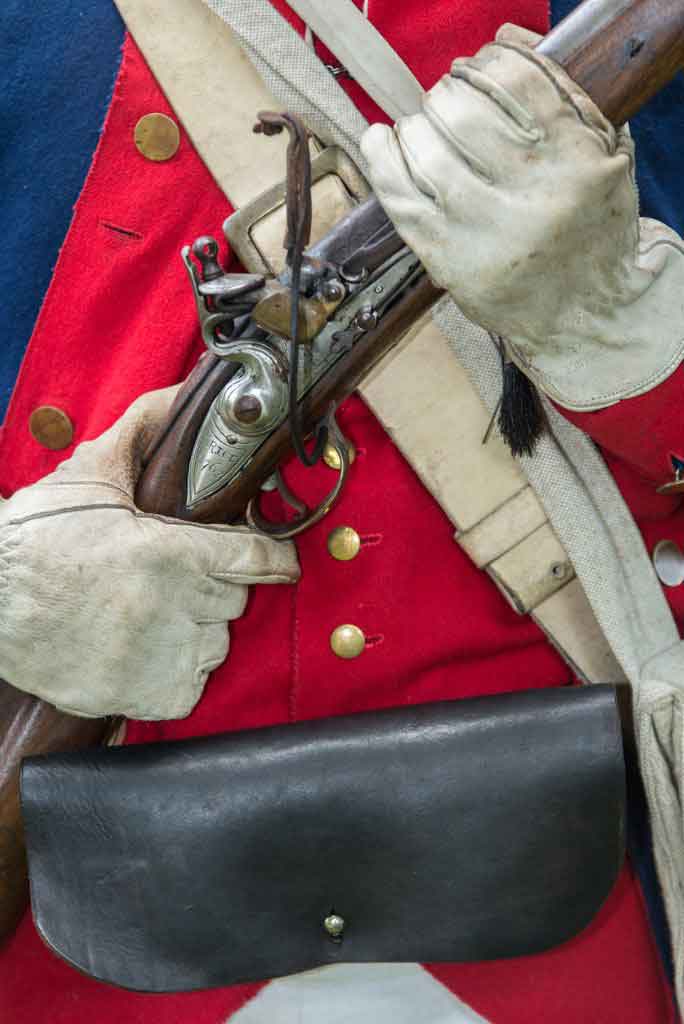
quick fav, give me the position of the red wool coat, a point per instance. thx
(119, 320)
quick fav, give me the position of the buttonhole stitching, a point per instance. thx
(371, 539)
(126, 233)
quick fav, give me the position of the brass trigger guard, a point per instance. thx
(306, 517)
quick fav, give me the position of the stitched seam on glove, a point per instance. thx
(48, 514)
(238, 577)
(647, 247)
(215, 527)
(46, 484)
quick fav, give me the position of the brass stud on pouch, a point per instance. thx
(334, 926)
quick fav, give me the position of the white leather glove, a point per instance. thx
(105, 610)
(519, 197)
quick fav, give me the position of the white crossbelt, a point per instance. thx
(363, 52)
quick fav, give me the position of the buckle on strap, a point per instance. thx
(255, 232)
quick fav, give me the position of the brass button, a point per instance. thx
(51, 427)
(347, 641)
(344, 543)
(157, 137)
(332, 459)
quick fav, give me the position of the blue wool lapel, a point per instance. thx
(59, 61)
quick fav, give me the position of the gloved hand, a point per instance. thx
(519, 197)
(105, 610)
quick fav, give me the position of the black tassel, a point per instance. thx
(521, 416)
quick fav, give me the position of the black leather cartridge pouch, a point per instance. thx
(463, 830)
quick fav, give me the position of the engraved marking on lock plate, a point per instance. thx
(223, 449)
(224, 441)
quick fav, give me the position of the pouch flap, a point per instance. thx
(464, 830)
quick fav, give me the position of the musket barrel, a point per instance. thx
(622, 52)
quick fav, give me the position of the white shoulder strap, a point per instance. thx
(363, 52)
(213, 87)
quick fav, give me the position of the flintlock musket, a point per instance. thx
(344, 302)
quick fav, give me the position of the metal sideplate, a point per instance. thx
(222, 448)
(223, 443)
(218, 454)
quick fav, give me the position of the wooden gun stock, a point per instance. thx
(622, 52)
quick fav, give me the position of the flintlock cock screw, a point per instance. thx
(247, 409)
(333, 291)
(366, 318)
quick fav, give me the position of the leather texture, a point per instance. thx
(462, 830)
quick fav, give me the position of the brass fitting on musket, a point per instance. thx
(274, 311)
